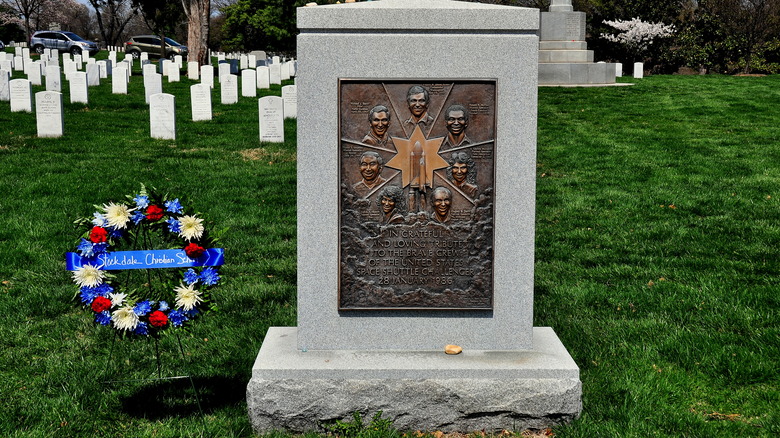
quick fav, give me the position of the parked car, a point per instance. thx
(151, 45)
(62, 41)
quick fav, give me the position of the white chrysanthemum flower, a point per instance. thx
(117, 299)
(125, 318)
(187, 297)
(117, 215)
(88, 275)
(191, 227)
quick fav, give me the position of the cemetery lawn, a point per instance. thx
(658, 222)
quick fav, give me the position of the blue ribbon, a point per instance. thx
(153, 259)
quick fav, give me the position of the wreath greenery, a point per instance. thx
(144, 302)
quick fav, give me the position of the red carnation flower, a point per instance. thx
(154, 213)
(158, 319)
(194, 250)
(100, 304)
(98, 235)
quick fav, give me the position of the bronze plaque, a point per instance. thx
(417, 171)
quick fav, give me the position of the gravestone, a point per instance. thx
(18, 63)
(79, 91)
(243, 62)
(263, 78)
(174, 74)
(639, 70)
(207, 75)
(251, 60)
(68, 67)
(162, 115)
(102, 68)
(7, 65)
(249, 83)
(119, 79)
(5, 90)
(79, 62)
(228, 89)
(193, 70)
(293, 67)
(34, 72)
(48, 114)
(275, 74)
(148, 69)
(179, 61)
(165, 65)
(259, 55)
(144, 56)
(276, 60)
(200, 98)
(20, 93)
(618, 69)
(383, 289)
(564, 58)
(290, 97)
(271, 109)
(224, 69)
(152, 85)
(93, 75)
(26, 52)
(284, 72)
(53, 78)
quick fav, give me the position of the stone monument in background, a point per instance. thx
(564, 58)
(416, 201)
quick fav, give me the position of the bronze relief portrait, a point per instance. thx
(417, 172)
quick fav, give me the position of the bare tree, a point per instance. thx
(198, 13)
(40, 14)
(112, 16)
(28, 10)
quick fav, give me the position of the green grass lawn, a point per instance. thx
(658, 222)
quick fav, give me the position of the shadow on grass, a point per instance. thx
(176, 398)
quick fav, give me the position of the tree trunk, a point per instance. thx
(198, 13)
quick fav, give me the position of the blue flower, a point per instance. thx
(85, 248)
(190, 276)
(98, 248)
(142, 308)
(209, 276)
(177, 318)
(173, 206)
(164, 306)
(104, 289)
(138, 216)
(174, 226)
(115, 233)
(103, 318)
(99, 220)
(141, 329)
(142, 201)
(88, 294)
(192, 313)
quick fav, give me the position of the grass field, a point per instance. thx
(658, 220)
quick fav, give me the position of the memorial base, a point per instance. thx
(300, 391)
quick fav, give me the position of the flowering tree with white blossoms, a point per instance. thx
(637, 35)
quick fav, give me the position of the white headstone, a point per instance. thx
(18, 63)
(21, 95)
(7, 65)
(200, 97)
(26, 52)
(618, 70)
(48, 113)
(179, 61)
(228, 89)
(165, 65)
(18, 51)
(55, 54)
(248, 83)
(193, 70)
(207, 75)
(79, 91)
(174, 73)
(152, 85)
(5, 86)
(276, 60)
(271, 110)
(93, 75)
(162, 116)
(293, 66)
(263, 78)
(79, 61)
(275, 73)
(284, 72)
(112, 57)
(53, 78)
(251, 60)
(224, 69)
(34, 72)
(148, 69)
(243, 62)
(639, 70)
(102, 68)
(290, 98)
(119, 79)
(68, 67)
(144, 56)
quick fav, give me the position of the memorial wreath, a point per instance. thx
(157, 288)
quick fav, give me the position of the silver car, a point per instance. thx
(62, 41)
